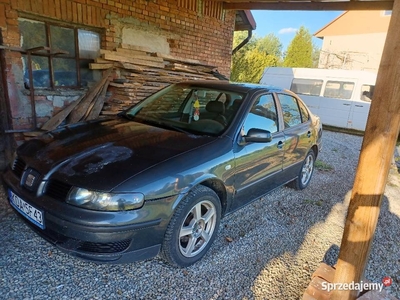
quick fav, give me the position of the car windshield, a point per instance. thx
(198, 110)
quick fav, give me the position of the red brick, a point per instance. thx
(11, 22)
(94, 3)
(10, 13)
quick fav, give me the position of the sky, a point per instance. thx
(284, 24)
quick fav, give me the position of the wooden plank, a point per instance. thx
(61, 116)
(131, 52)
(312, 5)
(141, 62)
(143, 56)
(182, 60)
(316, 291)
(109, 113)
(104, 51)
(102, 66)
(79, 111)
(132, 67)
(100, 60)
(97, 105)
(376, 154)
(138, 48)
(325, 272)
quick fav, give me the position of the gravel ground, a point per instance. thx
(267, 250)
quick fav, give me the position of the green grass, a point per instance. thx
(319, 202)
(322, 166)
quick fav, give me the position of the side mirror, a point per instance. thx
(256, 135)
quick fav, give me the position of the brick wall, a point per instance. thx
(194, 29)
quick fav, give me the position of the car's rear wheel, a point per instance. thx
(192, 228)
(306, 172)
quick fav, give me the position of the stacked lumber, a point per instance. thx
(139, 72)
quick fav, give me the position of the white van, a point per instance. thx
(341, 98)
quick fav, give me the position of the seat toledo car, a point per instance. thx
(157, 178)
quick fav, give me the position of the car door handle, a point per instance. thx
(280, 145)
(347, 104)
(359, 106)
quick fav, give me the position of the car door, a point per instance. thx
(335, 105)
(258, 165)
(298, 134)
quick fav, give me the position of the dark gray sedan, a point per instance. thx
(157, 178)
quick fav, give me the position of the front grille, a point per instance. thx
(112, 247)
(18, 167)
(57, 189)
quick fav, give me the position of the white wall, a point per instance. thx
(352, 52)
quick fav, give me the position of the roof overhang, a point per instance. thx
(307, 5)
(244, 21)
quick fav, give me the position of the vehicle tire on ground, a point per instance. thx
(192, 228)
(306, 172)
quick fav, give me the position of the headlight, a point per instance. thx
(104, 201)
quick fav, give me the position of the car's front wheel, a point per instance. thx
(306, 172)
(192, 228)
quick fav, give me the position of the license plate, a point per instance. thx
(28, 211)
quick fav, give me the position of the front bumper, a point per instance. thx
(104, 237)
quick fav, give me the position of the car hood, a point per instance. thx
(103, 154)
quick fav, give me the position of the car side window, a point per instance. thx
(305, 115)
(262, 115)
(291, 111)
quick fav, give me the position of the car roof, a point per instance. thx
(232, 86)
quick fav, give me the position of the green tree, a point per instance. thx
(270, 44)
(300, 50)
(250, 61)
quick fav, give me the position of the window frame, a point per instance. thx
(299, 110)
(314, 83)
(340, 90)
(52, 55)
(277, 121)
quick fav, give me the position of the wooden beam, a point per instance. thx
(377, 151)
(308, 5)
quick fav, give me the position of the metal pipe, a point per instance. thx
(244, 42)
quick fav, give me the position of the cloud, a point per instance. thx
(287, 30)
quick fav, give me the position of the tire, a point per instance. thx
(306, 172)
(193, 228)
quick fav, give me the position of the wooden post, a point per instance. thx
(376, 154)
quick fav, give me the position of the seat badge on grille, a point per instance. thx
(30, 180)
